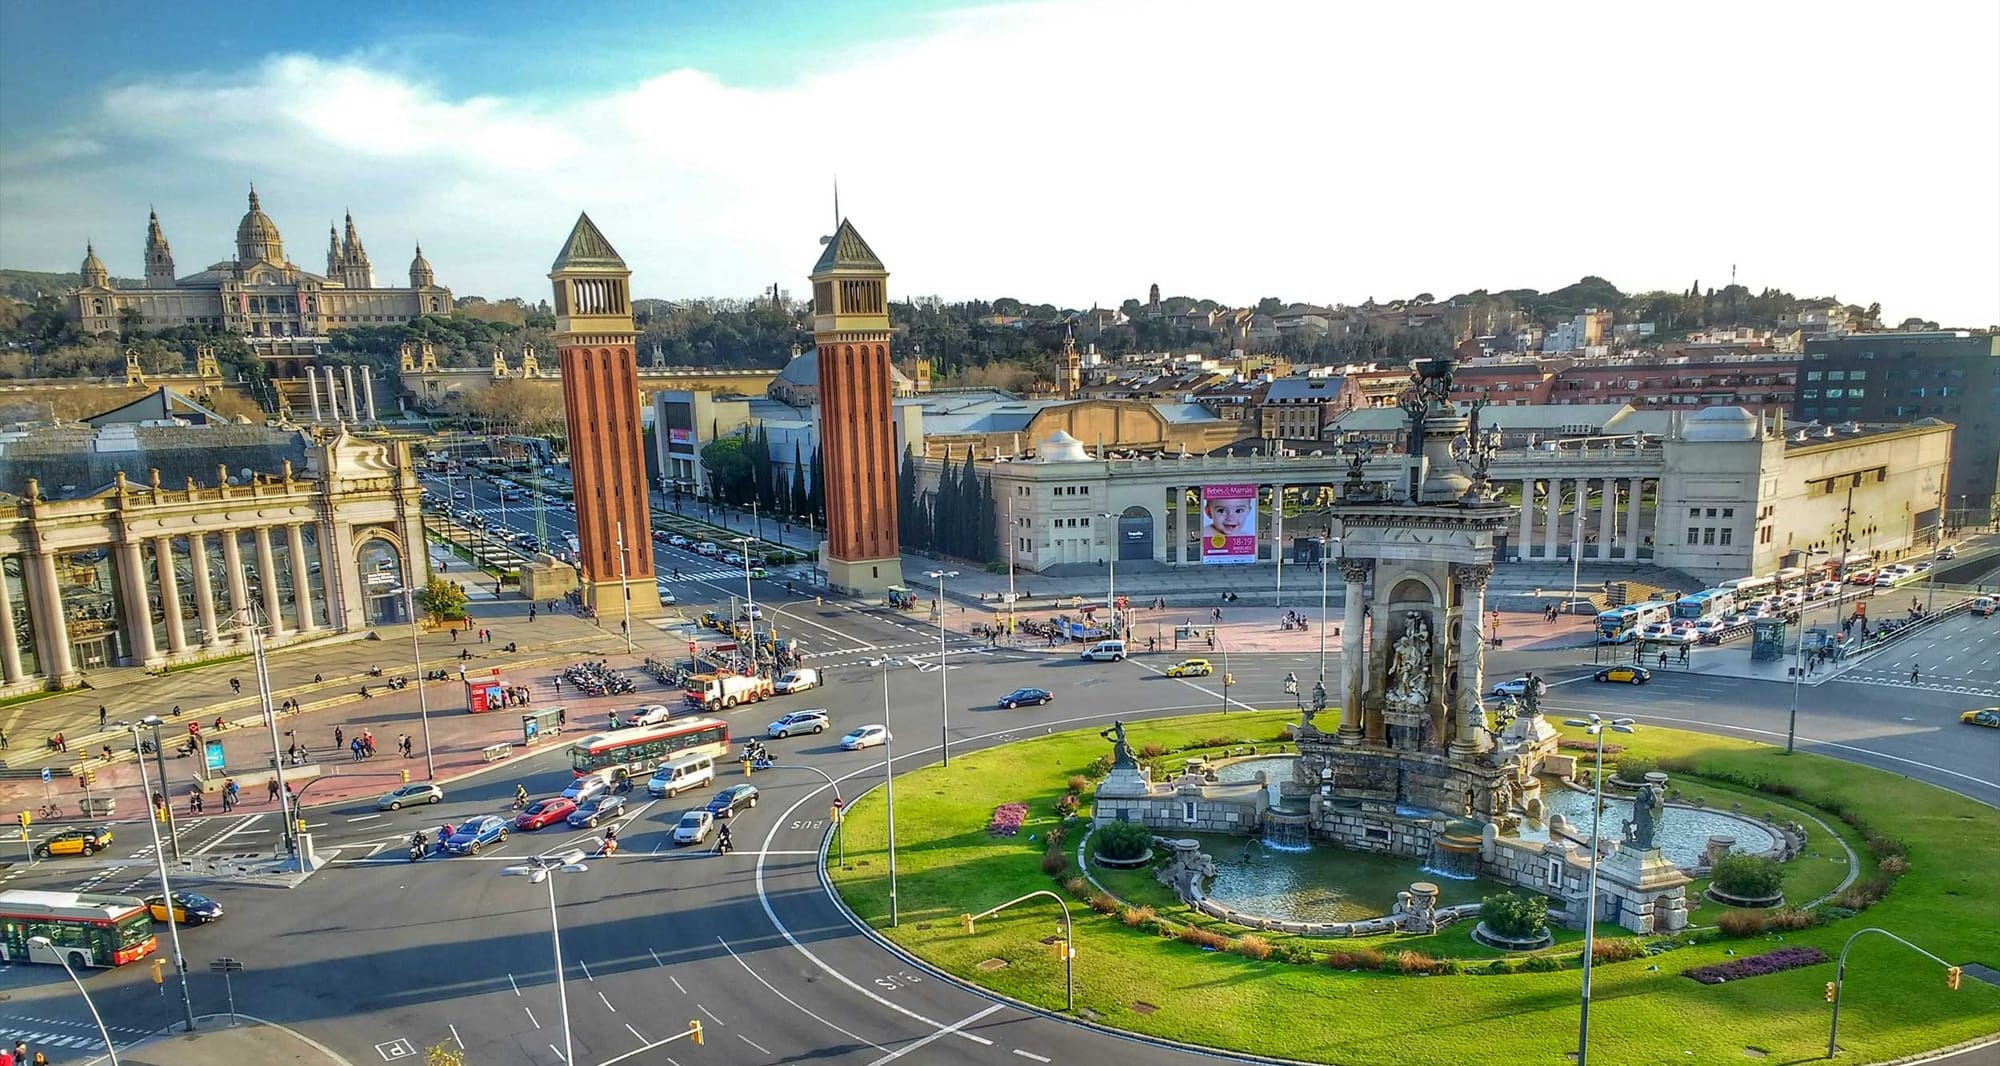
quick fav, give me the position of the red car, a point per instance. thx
(542, 812)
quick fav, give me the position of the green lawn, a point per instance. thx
(1895, 1002)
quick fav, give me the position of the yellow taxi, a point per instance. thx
(1624, 675)
(1190, 668)
(83, 840)
(189, 909)
(1988, 717)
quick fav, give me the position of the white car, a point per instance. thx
(1947, 552)
(587, 786)
(707, 549)
(813, 721)
(1519, 687)
(651, 714)
(1706, 626)
(1657, 631)
(1825, 589)
(798, 680)
(733, 557)
(667, 598)
(753, 613)
(694, 827)
(1680, 636)
(866, 736)
(409, 795)
(679, 541)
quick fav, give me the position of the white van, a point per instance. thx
(1113, 650)
(798, 680)
(678, 775)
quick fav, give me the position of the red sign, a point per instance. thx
(483, 695)
(692, 649)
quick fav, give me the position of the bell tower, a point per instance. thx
(594, 339)
(856, 423)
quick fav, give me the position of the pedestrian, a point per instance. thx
(177, 710)
(355, 747)
(339, 738)
(235, 686)
(558, 684)
(531, 612)
(454, 636)
(562, 713)
(21, 1052)
(272, 785)
(62, 744)
(102, 714)
(1663, 659)
(1914, 670)
(3, 740)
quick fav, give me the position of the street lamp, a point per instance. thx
(749, 600)
(944, 676)
(1594, 726)
(423, 702)
(45, 944)
(624, 589)
(889, 783)
(541, 870)
(263, 676)
(1575, 547)
(1324, 544)
(1111, 590)
(152, 721)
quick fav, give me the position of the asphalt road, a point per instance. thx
(377, 955)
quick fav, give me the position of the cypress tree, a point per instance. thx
(801, 502)
(818, 507)
(966, 520)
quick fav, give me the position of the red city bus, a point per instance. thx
(637, 750)
(83, 928)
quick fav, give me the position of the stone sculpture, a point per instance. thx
(1643, 828)
(1121, 752)
(1409, 673)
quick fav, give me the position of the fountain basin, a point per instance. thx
(1321, 884)
(1510, 943)
(1683, 834)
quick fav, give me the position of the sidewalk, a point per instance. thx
(251, 1040)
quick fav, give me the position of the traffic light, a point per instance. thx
(1951, 975)
(966, 920)
(1830, 989)
(694, 1029)
(24, 819)
(406, 777)
(159, 971)
(1061, 948)
(89, 777)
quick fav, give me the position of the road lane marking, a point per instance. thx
(242, 825)
(1030, 1055)
(807, 1011)
(510, 980)
(941, 1033)
(675, 980)
(363, 818)
(711, 1014)
(607, 1003)
(531, 1017)
(753, 1043)
(637, 1033)
(558, 1051)
(586, 970)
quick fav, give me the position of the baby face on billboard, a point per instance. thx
(1228, 516)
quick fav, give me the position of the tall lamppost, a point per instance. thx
(1111, 590)
(1595, 726)
(263, 676)
(944, 676)
(152, 721)
(1575, 547)
(749, 599)
(889, 783)
(1798, 668)
(166, 801)
(423, 702)
(1325, 543)
(542, 869)
(46, 945)
(624, 589)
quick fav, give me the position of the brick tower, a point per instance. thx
(600, 383)
(856, 427)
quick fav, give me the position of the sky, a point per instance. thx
(1069, 152)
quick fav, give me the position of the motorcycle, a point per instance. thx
(520, 803)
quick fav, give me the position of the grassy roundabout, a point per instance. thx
(1147, 981)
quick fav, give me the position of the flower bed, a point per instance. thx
(1007, 819)
(1756, 965)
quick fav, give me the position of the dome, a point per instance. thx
(1720, 424)
(803, 372)
(257, 236)
(1062, 448)
(93, 268)
(420, 270)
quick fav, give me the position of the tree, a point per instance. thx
(801, 498)
(131, 322)
(443, 601)
(906, 501)
(730, 473)
(818, 509)
(1514, 915)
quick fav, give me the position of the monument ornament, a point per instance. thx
(1355, 570)
(1643, 828)
(1475, 450)
(1409, 672)
(1358, 450)
(1121, 752)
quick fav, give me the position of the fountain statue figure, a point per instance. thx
(1409, 671)
(1642, 830)
(1121, 752)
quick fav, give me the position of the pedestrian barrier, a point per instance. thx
(496, 752)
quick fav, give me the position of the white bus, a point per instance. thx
(1708, 603)
(1750, 588)
(82, 928)
(1621, 625)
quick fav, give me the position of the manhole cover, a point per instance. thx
(1144, 1008)
(1756, 1053)
(991, 965)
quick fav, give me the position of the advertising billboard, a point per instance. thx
(1228, 525)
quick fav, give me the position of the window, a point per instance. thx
(1694, 512)
(1836, 375)
(1835, 394)
(1693, 537)
(1711, 512)
(1857, 375)
(1729, 512)
(1809, 394)
(1813, 375)
(1725, 536)
(1708, 535)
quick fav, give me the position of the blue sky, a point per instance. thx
(1072, 151)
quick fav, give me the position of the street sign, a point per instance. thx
(225, 965)
(693, 649)
(46, 775)
(212, 756)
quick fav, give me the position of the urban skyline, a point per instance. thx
(1336, 180)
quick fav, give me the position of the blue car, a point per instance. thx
(597, 809)
(477, 833)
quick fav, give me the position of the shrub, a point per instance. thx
(1066, 804)
(1541, 964)
(1295, 953)
(1617, 949)
(1756, 965)
(1202, 938)
(1099, 766)
(1214, 742)
(1449, 967)
(1389, 965)
(1056, 836)
(1834, 913)
(1355, 959)
(1748, 876)
(1078, 783)
(1137, 917)
(1076, 886)
(1152, 751)
(1791, 919)
(1123, 840)
(1054, 862)
(1588, 747)
(1885, 847)
(1503, 966)
(1415, 962)
(1103, 904)
(1894, 866)
(1864, 894)
(1512, 914)
(1634, 768)
(1252, 946)
(1741, 923)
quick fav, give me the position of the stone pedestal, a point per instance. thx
(544, 578)
(1650, 891)
(1125, 782)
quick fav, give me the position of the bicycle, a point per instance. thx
(47, 811)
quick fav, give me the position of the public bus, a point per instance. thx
(84, 929)
(1708, 603)
(1620, 625)
(1791, 577)
(638, 749)
(1750, 588)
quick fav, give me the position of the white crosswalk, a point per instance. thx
(1964, 686)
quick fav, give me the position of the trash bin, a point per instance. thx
(98, 806)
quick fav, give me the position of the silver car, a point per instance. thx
(409, 796)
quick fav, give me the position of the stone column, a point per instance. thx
(239, 589)
(170, 594)
(1353, 664)
(301, 577)
(1607, 517)
(1527, 538)
(1375, 682)
(1555, 509)
(10, 647)
(1632, 540)
(138, 605)
(267, 577)
(1175, 549)
(312, 390)
(204, 589)
(1467, 740)
(368, 392)
(353, 401)
(332, 395)
(45, 606)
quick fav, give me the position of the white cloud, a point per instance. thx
(1075, 152)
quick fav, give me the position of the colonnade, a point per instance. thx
(339, 387)
(1613, 540)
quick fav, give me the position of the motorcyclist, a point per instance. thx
(1291, 682)
(724, 845)
(520, 795)
(419, 842)
(610, 839)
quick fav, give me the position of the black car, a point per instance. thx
(732, 799)
(591, 811)
(1025, 696)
